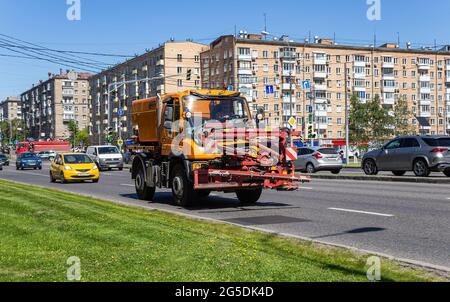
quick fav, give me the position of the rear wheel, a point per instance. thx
(310, 169)
(447, 172)
(249, 196)
(421, 168)
(143, 191)
(336, 172)
(399, 173)
(370, 167)
(182, 190)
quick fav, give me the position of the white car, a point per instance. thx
(106, 157)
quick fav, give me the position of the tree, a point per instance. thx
(82, 137)
(402, 117)
(368, 122)
(11, 131)
(72, 127)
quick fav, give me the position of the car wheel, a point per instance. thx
(62, 178)
(399, 173)
(249, 196)
(52, 179)
(447, 172)
(182, 191)
(120, 169)
(336, 172)
(143, 191)
(421, 168)
(96, 181)
(310, 169)
(370, 167)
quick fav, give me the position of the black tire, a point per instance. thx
(52, 179)
(420, 168)
(62, 178)
(120, 169)
(310, 169)
(143, 191)
(95, 181)
(370, 167)
(17, 167)
(399, 173)
(336, 172)
(182, 190)
(447, 172)
(249, 196)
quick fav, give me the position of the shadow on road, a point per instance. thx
(355, 231)
(216, 204)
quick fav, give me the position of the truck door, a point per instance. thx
(171, 119)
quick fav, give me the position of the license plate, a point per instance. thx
(83, 175)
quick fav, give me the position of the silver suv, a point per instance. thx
(420, 154)
(318, 159)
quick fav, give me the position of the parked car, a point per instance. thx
(28, 160)
(4, 160)
(74, 167)
(312, 160)
(47, 155)
(420, 154)
(106, 157)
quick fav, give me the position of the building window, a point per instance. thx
(179, 57)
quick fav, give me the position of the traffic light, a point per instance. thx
(310, 132)
(109, 135)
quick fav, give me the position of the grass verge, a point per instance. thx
(41, 228)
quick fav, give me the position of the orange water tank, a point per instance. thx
(145, 119)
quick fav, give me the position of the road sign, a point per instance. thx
(121, 112)
(230, 88)
(291, 154)
(292, 122)
(306, 85)
(269, 89)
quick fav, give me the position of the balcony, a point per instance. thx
(359, 75)
(288, 113)
(424, 78)
(287, 100)
(320, 59)
(245, 57)
(425, 102)
(425, 90)
(321, 113)
(388, 76)
(359, 64)
(287, 86)
(425, 114)
(320, 87)
(289, 55)
(321, 126)
(244, 71)
(388, 64)
(359, 88)
(320, 100)
(424, 66)
(160, 62)
(320, 74)
(390, 89)
(287, 72)
(389, 101)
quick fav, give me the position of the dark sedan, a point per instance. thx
(4, 160)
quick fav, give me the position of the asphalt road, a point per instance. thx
(408, 221)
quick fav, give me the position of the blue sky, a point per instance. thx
(129, 27)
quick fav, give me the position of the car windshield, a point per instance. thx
(77, 159)
(2, 157)
(28, 155)
(222, 110)
(108, 150)
(328, 151)
(437, 142)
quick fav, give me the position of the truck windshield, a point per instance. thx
(222, 110)
(108, 150)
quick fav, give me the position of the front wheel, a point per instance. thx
(370, 167)
(250, 196)
(182, 190)
(143, 191)
(310, 169)
(52, 179)
(421, 168)
(336, 172)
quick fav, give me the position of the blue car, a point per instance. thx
(28, 160)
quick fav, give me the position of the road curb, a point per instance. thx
(384, 179)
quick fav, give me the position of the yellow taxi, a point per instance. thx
(74, 167)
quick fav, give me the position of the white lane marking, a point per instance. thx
(306, 188)
(127, 185)
(361, 212)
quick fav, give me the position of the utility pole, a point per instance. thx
(347, 131)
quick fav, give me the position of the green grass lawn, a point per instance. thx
(40, 229)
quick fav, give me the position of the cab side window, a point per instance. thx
(393, 145)
(168, 116)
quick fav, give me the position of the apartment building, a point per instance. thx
(170, 68)
(11, 109)
(49, 106)
(249, 63)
